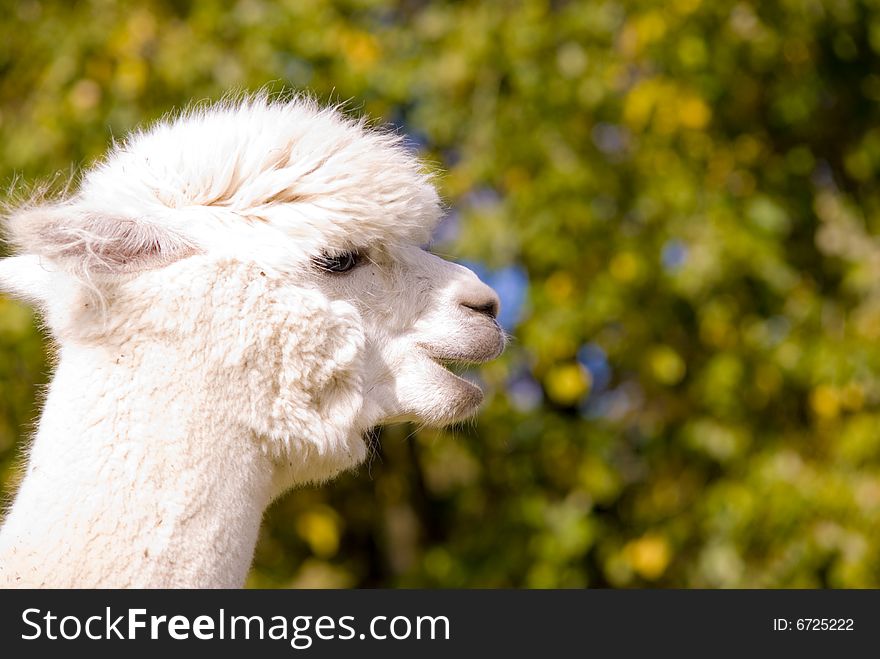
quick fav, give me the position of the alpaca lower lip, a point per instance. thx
(455, 366)
(467, 390)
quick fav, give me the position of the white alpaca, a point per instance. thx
(238, 295)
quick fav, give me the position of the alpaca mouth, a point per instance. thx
(455, 363)
(457, 367)
(451, 376)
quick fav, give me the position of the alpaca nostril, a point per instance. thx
(488, 307)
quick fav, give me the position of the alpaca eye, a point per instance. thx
(337, 262)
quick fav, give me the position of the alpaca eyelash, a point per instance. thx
(338, 263)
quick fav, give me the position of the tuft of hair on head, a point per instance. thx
(247, 168)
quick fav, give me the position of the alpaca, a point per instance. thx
(237, 294)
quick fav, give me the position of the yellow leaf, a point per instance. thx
(666, 365)
(320, 529)
(624, 267)
(639, 104)
(825, 401)
(568, 383)
(361, 49)
(693, 112)
(649, 555)
(559, 286)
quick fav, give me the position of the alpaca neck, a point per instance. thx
(131, 482)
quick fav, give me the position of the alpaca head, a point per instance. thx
(266, 257)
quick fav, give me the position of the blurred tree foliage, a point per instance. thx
(678, 203)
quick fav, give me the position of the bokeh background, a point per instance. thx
(678, 203)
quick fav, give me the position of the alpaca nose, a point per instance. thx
(484, 301)
(471, 293)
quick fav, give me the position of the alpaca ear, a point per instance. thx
(91, 243)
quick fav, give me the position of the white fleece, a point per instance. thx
(206, 363)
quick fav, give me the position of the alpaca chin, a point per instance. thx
(461, 401)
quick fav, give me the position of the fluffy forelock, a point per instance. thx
(323, 179)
